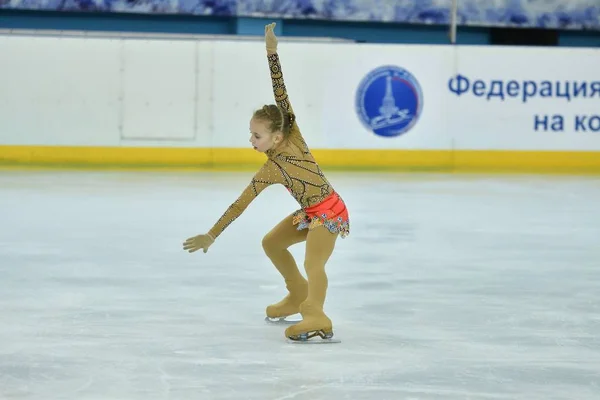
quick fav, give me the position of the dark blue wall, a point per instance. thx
(363, 31)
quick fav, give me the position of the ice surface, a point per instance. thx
(448, 287)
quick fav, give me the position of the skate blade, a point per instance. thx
(314, 337)
(314, 341)
(282, 321)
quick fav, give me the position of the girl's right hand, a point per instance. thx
(270, 39)
(198, 242)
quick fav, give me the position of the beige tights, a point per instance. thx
(305, 297)
(276, 243)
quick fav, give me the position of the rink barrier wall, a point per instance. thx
(185, 102)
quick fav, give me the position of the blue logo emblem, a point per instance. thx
(389, 101)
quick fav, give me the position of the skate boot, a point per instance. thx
(290, 304)
(314, 323)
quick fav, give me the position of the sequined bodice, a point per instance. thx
(292, 165)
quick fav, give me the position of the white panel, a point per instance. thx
(480, 122)
(58, 91)
(159, 89)
(343, 81)
(203, 107)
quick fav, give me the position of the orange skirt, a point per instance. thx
(330, 213)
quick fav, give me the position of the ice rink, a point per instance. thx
(449, 287)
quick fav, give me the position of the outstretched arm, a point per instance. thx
(268, 175)
(279, 89)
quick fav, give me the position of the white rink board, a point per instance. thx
(59, 91)
(184, 93)
(346, 70)
(159, 90)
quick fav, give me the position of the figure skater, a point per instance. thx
(322, 216)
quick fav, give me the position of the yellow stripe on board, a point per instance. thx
(243, 158)
(528, 161)
(384, 159)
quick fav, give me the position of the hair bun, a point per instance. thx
(277, 117)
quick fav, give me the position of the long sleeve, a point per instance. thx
(282, 98)
(269, 174)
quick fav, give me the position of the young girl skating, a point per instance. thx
(322, 216)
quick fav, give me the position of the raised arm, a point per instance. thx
(279, 90)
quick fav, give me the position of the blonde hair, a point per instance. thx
(278, 118)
